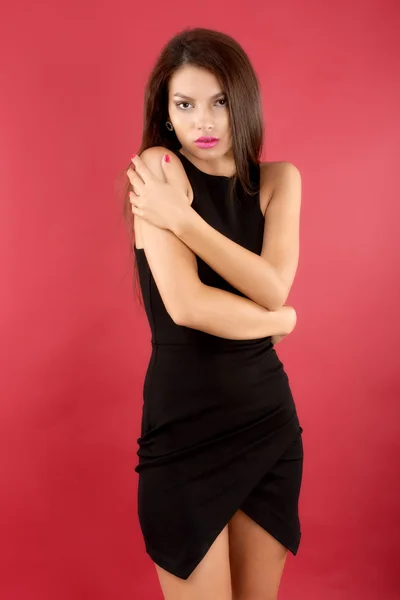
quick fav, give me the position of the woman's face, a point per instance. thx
(198, 108)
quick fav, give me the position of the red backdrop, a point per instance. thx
(75, 344)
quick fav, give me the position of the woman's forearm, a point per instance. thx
(234, 317)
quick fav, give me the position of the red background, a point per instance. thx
(75, 344)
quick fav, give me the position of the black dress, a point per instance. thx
(219, 429)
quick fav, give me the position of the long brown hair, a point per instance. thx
(225, 58)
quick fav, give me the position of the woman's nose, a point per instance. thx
(204, 118)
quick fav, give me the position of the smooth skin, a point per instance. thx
(245, 562)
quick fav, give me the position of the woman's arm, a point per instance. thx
(188, 301)
(230, 316)
(275, 339)
(266, 278)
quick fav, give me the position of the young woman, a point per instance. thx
(216, 238)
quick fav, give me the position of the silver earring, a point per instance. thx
(169, 126)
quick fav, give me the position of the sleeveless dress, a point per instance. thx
(219, 426)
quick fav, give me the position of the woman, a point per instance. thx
(216, 242)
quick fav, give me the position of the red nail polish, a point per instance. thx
(133, 156)
(167, 158)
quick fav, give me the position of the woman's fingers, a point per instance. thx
(135, 180)
(140, 167)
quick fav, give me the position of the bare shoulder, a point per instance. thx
(272, 172)
(272, 175)
(153, 157)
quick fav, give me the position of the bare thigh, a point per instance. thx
(256, 558)
(210, 580)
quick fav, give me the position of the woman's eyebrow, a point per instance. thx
(189, 97)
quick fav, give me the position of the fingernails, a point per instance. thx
(133, 156)
(167, 158)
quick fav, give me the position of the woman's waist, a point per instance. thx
(242, 369)
(199, 341)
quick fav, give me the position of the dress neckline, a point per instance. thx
(226, 177)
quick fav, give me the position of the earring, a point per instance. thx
(169, 126)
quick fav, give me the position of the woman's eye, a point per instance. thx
(188, 103)
(179, 103)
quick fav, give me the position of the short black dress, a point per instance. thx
(220, 430)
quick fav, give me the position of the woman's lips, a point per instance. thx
(207, 144)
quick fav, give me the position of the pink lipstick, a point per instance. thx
(206, 142)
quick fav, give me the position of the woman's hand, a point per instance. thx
(292, 317)
(275, 339)
(291, 321)
(164, 204)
